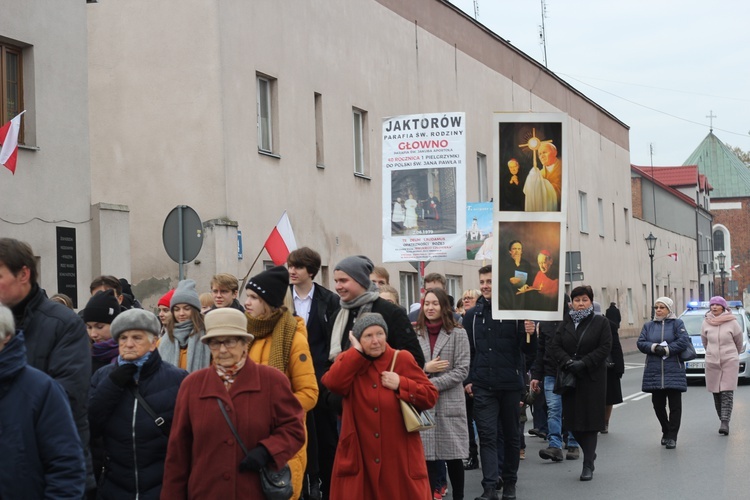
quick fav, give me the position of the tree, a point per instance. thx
(744, 156)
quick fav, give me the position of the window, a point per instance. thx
(600, 205)
(11, 85)
(408, 288)
(319, 156)
(718, 240)
(359, 120)
(453, 286)
(584, 214)
(614, 223)
(626, 225)
(630, 307)
(482, 177)
(266, 113)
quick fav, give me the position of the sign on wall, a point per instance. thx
(67, 270)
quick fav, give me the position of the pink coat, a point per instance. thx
(376, 458)
(722, 338)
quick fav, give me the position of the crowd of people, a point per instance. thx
(204, 400)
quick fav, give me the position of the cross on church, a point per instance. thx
(711, 117)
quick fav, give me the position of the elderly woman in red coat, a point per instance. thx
(376, 457)
(204, 460)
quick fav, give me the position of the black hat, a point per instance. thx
(102, 307)
(271, 285)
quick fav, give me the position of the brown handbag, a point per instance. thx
(414, 420)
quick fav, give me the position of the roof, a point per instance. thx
(646, 173)
(677, 177)
(729, 177)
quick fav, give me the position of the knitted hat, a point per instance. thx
(367, 320)
(102, 307)
(358, 267)
(271, 285)
(224, 322)
(185, 294)
(135, 319)
(720, 301)
(164, 300)
(667, 302)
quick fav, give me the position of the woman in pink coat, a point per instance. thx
(722, 337)
(376, 458)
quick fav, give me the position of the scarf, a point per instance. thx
(105, 351)
(137, 362)
(579, 315)
(198, 353)
(229, 374)
(669, 315)
(281, 327)
(722, 318)
(364, 303)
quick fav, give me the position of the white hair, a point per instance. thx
(7, 323)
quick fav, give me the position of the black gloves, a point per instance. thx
(123, 374)
(575, 366)
(256, 459)
(659, 350)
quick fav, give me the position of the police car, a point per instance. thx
(693, 318)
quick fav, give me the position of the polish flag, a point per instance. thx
(9, 142)
(281, 242)
(673, 255)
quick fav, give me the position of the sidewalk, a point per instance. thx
(628, 345)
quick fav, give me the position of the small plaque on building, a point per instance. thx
(67, 271)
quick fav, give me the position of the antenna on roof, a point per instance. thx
(476, 10)
(543, 33)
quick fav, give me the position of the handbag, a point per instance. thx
(276, 484)
(564, 380)
(158, 421)
(689, 353)
(414, 420)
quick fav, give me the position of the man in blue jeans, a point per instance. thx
(496, 381)
(543, 375)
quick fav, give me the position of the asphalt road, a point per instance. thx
(632, 464)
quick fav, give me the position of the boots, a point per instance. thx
(724, 428)
(489, 494)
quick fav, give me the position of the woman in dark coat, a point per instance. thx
(662, 340)
(580, 346)
(615, 370)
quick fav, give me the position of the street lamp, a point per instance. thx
(651, 243)
(722, 261)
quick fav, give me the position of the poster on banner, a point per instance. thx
(424, 187)
(479, 231)
(529, 221)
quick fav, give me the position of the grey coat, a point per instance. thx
(449, 439)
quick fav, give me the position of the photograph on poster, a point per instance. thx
(530, 166)
(528, 274)
(423, 201)
(479, 231)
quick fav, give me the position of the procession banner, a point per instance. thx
(529, 215)
(424, 187)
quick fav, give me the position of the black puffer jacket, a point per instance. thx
(135, 446)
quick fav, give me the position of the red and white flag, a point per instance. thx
(281, 242)
(9, 141)
(673, 255)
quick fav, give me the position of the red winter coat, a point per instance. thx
(203, 458)
(376, 458)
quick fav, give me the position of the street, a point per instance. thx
(631, 463)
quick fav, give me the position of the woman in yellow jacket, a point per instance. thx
(281, 342)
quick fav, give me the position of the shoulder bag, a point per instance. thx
(276, 484)
(414, 420)
(689, 353)
(158, 421)
(564, 380)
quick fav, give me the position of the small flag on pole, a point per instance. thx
(673, 255)
(9, 141)
(281, 242)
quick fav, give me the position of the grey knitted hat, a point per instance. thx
(185, 294)
(366, 320)
(358, 267)
(135, 319)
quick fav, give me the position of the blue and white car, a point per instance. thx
(693, 318)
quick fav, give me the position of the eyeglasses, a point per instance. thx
(215, 345)
(661, 307)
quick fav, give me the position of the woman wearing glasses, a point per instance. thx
(205, 458)
(662, 340)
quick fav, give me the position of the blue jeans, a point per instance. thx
(554, 416)
(496, 414)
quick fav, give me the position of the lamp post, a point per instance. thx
(651, 244)
(722, 261)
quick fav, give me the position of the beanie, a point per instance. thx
(271, 285)
(164, 300)
(102, 307)
(667, 302)
(135, 319)
(720, 301)
(185, 294)
(358, 267)
(367, 320)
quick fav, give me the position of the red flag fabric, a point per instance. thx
(9, 141)
(281, 242)
(673, 255)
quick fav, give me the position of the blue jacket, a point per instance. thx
(497, 361)
(664, 373)
(40, 452)
(135, 446)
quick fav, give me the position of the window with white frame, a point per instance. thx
(408, 288)
(583, 219)
(482, 177)
(359, 118)
(265, 105)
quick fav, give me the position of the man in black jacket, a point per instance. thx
(496, 383)
(56, 339)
